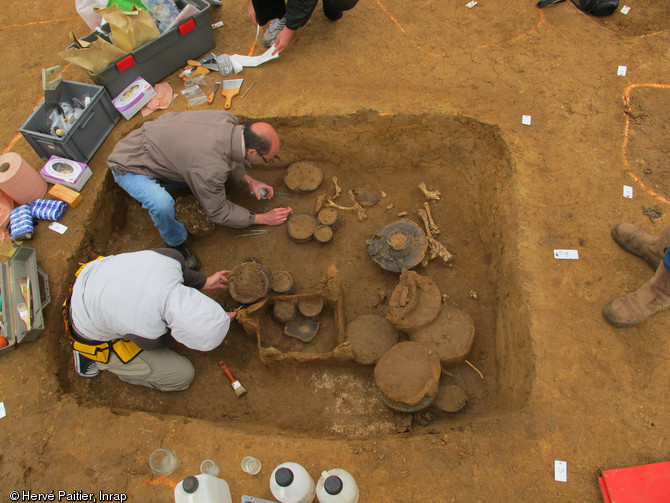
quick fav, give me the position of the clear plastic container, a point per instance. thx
(337, 486)
(209, 467)
(290, 483)
(251, 465)
(202, 488)
(163, 461)
(193, 94)
(163, 12)
(225, 65)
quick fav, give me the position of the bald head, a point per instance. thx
(261, 137)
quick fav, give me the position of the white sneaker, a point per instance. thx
(276, 26)
(85, 367)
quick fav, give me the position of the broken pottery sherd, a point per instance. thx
(304, 330)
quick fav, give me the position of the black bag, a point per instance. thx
(594, 7)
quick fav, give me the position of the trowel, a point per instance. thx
(210, 98)
(231, 88)
(24, 308)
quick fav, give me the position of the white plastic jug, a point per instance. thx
(202, 488)
(337, 486)
(290, 483)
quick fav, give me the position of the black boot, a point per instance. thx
(192, 261)
(332, 14)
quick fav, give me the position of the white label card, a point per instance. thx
(2, 410)
(566, 254)
(628, 191)
(59, 228)
(525, 120)
(561, 471)
(621, 71)
(625, 9)
(470, 5)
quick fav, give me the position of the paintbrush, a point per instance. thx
(237, 385)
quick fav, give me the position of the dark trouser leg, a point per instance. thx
(266, 10)
(333, 9)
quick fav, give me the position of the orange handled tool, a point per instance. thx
(210, 98)
(237, 385)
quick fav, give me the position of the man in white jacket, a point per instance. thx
(126, 309)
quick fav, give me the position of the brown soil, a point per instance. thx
(284, 310)
(327, 216)
(323, 234)
(281, 282)
(248, 282)
(393, 95)
(450, 335)
(450, 398)
(370, 336)
(407, 375)
(303, 176)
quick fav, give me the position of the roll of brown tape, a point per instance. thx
(19, 180)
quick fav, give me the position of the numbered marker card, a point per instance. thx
(566, 254)
(59, 228)
(561, 471)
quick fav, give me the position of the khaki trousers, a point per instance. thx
(160, 369)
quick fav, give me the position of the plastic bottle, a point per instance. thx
(202, 488)
(290, 483)
(337, 486)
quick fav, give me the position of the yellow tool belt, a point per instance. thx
(97, 351)
(125, 350)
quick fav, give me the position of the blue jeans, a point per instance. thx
(153, 197)
(666, 258)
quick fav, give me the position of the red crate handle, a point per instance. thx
(186, 27)
(125, 63)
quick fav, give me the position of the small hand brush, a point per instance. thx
(237, 385)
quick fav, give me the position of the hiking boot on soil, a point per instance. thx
(276, 25)
(192, 261)
(85, 367)
(636, 241)
(651, 298)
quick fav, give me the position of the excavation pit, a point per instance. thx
(465, 160)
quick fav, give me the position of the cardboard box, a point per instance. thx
(133, 98)
(71, 197)
(86, 134)
(162, 56)
(22, 266)
(67, 172)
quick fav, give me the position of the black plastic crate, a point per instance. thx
(162, 56)
(86, 134)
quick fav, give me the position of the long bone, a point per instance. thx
(362, 215)
(433, 226)
(430, 194)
